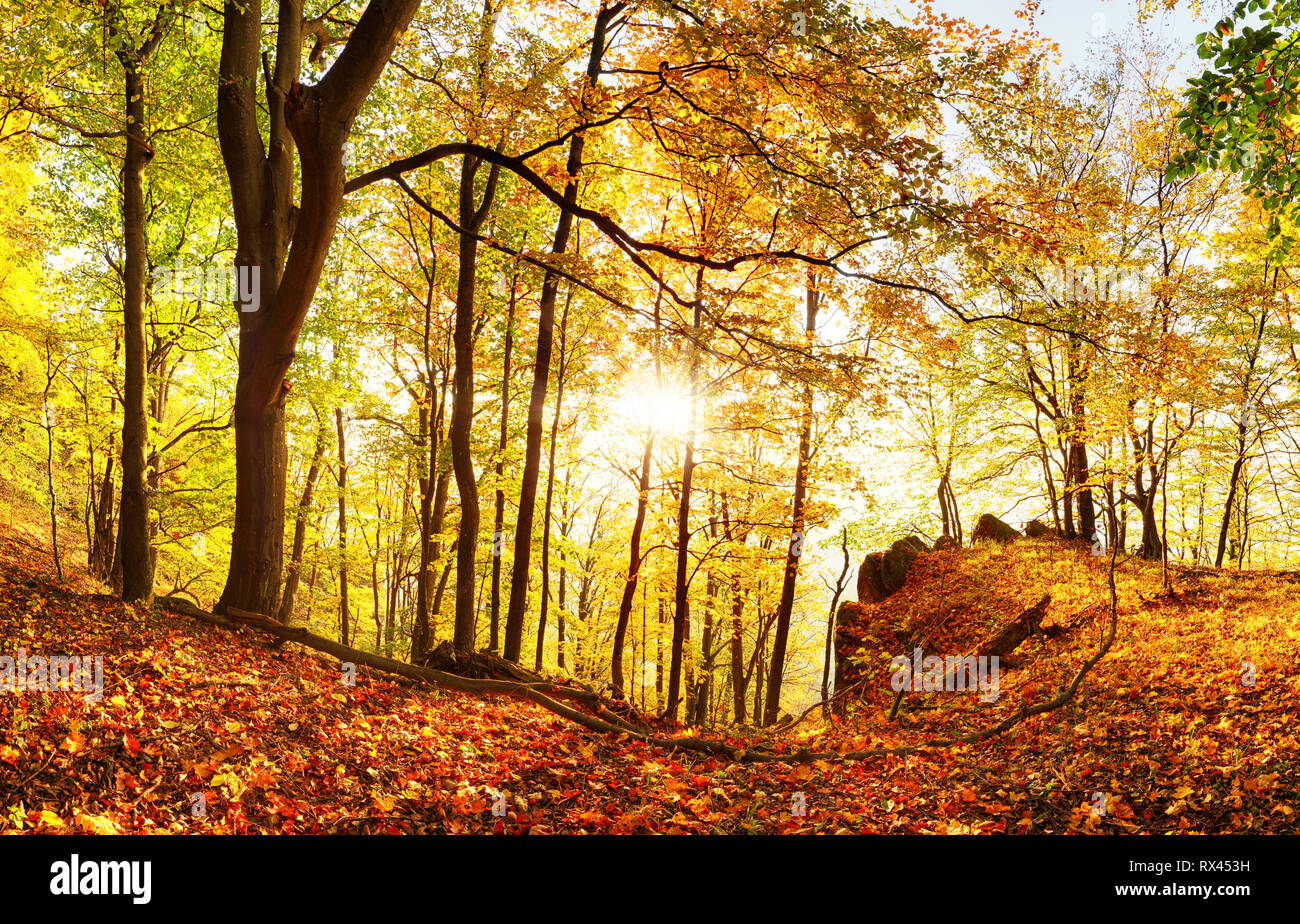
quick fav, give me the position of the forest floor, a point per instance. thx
(203, 730)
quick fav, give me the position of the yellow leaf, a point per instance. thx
(96, 824)
(51, 819)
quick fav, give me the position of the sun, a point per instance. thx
(663, 406)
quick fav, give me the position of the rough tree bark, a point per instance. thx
(280, 249)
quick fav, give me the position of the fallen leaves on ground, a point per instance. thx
(202, 730)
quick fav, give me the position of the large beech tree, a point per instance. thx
(282, 241)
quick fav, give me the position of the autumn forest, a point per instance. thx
(619, 416)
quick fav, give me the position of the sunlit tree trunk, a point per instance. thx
(681, 596)
(133, 515)
(550, 488)
(633, 565)
(1245, 422)
(300, 529)
(776, 672)
(514, 629)
(498, 523)
(342, 473)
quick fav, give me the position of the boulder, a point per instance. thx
(990, 527)
(883, 573)
(944, 543)
(894, 564)
(1037, 529)
(915, 542)
(871, 587)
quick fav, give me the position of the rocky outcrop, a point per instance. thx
(1037, 529)
(990, 527)
(871, 587)
(858, 628)
(883, 573)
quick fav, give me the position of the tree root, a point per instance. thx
(605, 720)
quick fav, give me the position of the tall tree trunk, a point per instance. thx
(471, 218)
(1234, 479)
(514, 630)
(737, 643)
(659, 659)
(681, 596)
(702, 691)
(633, 565)
(776, 672)
(1244, 425)
(428, 435)
(300, 529)
(1077, 446)
(281, 249)
(550, 487)
(462, 414)
(559, 610)
(499, 521)
(344, 635)
(133, 518)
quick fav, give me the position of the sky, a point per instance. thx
(1076, 24)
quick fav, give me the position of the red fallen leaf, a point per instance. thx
(131, 743)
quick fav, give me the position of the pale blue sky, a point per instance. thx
(1076, 24)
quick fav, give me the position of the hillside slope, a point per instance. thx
(204, 730)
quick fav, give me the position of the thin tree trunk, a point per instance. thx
(682, 603)
(633, 566)
(462, 415)
(498, 536)
(428, 438)
(300, 529)
(776, 672)
(550, 487)
(840, 584)
(514, 630)
(343, 528)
